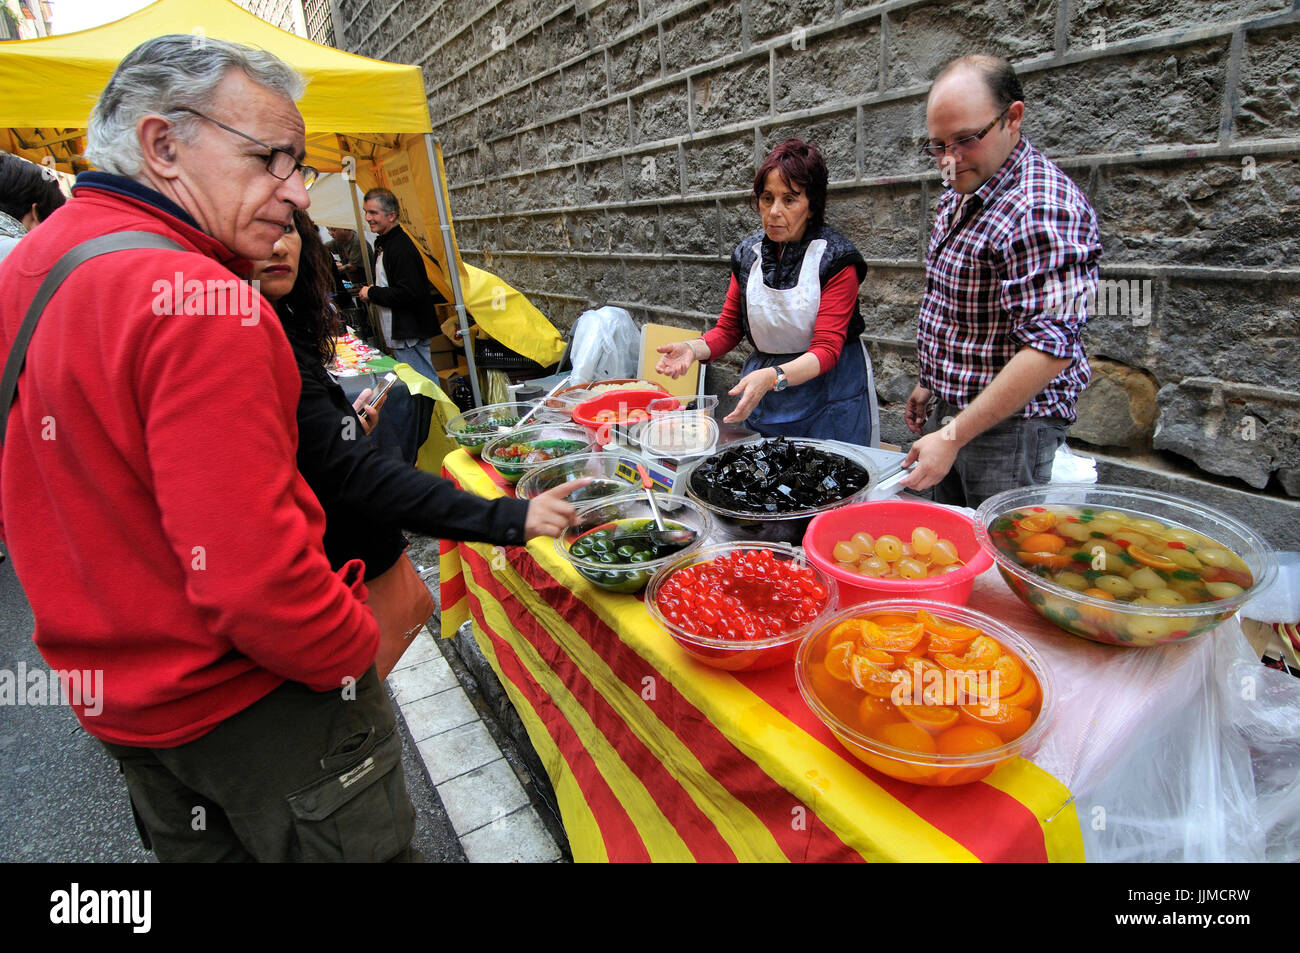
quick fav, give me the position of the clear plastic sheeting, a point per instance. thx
(1177, 753)
(605, 345)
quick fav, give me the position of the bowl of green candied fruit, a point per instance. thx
(1123, 566)
(474, 428)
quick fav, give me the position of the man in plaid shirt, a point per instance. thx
(1013, 256)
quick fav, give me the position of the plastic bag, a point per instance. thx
(1186, 752)
(605, 345)
(1069, 467)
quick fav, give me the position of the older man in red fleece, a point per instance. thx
(150, 497)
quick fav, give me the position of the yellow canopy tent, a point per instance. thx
(363, 116)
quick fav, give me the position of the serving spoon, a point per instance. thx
(661, 534)
(501, 428)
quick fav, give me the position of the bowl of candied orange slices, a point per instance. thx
(925, 692)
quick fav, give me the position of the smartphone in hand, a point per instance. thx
(381, 392)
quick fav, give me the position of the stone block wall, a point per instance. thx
(602, 151)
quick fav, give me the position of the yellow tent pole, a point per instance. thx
(449, 250)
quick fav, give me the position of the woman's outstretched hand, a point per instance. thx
(677, 359)
(549, 513)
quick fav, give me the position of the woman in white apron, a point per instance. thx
(794, 297)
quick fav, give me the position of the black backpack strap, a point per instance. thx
(120, 241)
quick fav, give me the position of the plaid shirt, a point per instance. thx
(1015, 271)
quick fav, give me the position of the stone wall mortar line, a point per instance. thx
(1163, 272)
(1155, 155)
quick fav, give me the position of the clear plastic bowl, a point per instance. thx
(677, 436)
(560, 440)
(776, 527)
(629, 578)
(728, 654)
(494, 415)
(611, 473)
(898, 517)
(1114, 622)
(835, 702)
(706, 404)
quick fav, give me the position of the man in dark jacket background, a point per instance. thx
(401, 286)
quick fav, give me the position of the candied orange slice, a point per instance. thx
(967, 739)
(1009, 722)
(882, 658)
(981, 654)
(846, 631)
(1009, 673)
(1151, 559)
(933, 718)
(1038, 522)
(874, 712)
(890, 618)
(1050, 560)
(1026, 695)
(874, 680)
(837, 661)
(892, 637)
(905, 735)
(948, 630)
(1100, 594)
(1043, 543)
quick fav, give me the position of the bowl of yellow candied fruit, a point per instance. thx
(1123, 566)
(897, 549)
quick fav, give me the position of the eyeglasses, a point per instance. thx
(279, 163)
(935, 148)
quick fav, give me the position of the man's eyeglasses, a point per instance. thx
(279, 163)
(935, 148)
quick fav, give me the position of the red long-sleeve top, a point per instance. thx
(149, 488)
(838, 299)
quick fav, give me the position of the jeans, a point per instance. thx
(1016, 452)
(417, 355)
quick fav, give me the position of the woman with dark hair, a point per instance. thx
(368, 496)
(28, 196)
(794, 297)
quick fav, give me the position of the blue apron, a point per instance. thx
(831, 406)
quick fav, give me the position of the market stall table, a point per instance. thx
(656, 757)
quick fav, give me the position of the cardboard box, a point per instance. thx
(444, 360)
(446, 374)
(441, 343)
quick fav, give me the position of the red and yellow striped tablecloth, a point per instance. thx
(656, 757)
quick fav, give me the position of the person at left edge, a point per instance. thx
(794, 297)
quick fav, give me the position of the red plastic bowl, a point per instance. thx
(898, 517)
(608, 413)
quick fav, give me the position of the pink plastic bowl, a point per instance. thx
(898, 517)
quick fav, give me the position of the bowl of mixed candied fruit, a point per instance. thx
(1123, 566)
(897, 549)
(925, 692)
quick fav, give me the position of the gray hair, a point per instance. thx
(386, 199)
(162, 75)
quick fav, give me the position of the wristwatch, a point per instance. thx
(782, 382)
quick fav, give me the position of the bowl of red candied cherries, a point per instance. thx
(740, 605)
